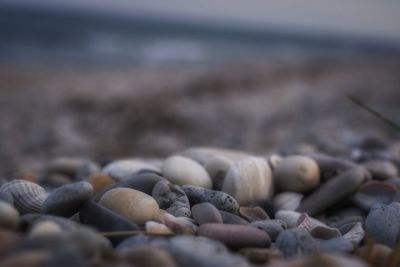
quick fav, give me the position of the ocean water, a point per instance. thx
(48, 36)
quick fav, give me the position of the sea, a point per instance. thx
(49, 36)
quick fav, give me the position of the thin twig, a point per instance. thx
(359, 103)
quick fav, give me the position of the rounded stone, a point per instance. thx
(72, 167)
(155, 228)
(219, 199)
(296, 243)
(333, 191)
(296, 173)
(66, 200)
(217, 167)
(8, 216)
(235, 236)
(134, 205)
(206, 213)
(383, 223)
(202, 154)
(185, 171)
(287, 200)
(45, 228)
(124, 169)
(373, 192)
(230, 218)
(148, 256)
(249, 180)
(330, 167)
(271, 227)
(252, 214)
(381, 169)
(100, 181)
(9, 240)
(26, 259)
(171, 198)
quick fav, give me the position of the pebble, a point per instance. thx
(66, 200)
(105, 220)
(230, 218)
(296, 243)
(156, 228)
(100, 181)
(296, 173)
(271, 227)
(28, 197)
(148, 256)
(122, 170)
(383, 223)
(337, 244)
(330, 167)
(203, 154)
(45, 228)
(26, 259)
(8, 216)
(185, 171)
(217, 167)
(171, 198)
(373, 192)
(252, 214)
(381, 169)
(206, 213)
(235, 236)
(28, 221)
(289, 217)
(261, 255)
(343, 185)
(249, 180)
(219, 199)
(287, 200)
(74, 168)
(134, 205)
(179, 225)
(9, 240)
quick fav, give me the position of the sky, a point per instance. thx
(376, 19)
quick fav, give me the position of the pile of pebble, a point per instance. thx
(205, 207)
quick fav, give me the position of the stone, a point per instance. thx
(289, 217)
(6, 197)
(220, 200)
(230, 218)
(9, 240)
(26, 259)
(75, 168)
(155, 228)
(201, 252)
(133, 242)
(249, 180)
(185, 171)
(148, 256)
(202, 154)
(8, 216)
(171, 198)
(271, 227)
(383, 223)
(122, 170)
(217, 167)
(295, 243)
(27, 221)
(235, 236)
(65, 257)
(206, 213)
(88, 242)
(330, 167)
(317, 228)
(131, 204)
(100, 181)
(105, 220)
(381, 169)
(337, 244)
(261, 255)
(333, 191)
(373, 192)
(179, 225)
(66, 200)
(252, 214)
(287, 200)
(45, 228)
(296, 173)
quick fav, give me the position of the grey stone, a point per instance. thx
(171, 198)
(272, 227)
(296, 243)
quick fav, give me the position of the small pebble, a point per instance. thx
(296, 243)
(381, 170)
(122, 170)
(8, 216)
(206, 213)
(271, 227)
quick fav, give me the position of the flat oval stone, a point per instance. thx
(252, 214)
(296, 243)
(105, 220)
(66, 200)
(296, 173)
(230, 218)
(249, 180)
(219, 199)
(131, 204)
(8, 216)
(383, 223)
(287, 200)
(185, 171)
(217, 167)
(235, 236)
(381, 169)
(333, 191)
(206, 213)
(271, 227)
(100, 181)
(121, 170)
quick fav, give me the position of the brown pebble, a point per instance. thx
(235, 236)
(380, 169)
(148, 256)
(260, 255)
(100, 181)
(253, 214)
(206, 213)
(8, 240)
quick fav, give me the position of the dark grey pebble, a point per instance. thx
(230, 218)
(333, 191)
(171, 198)
(296, 243)
(105, 220)
(132, 242)
(206, 213)
(66, 200)
(337, 244)
(383, 223)
(141, 182)
(272, 227)
(74, 168)
(219, 199)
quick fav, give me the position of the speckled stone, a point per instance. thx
(296, 173)
(249, 180)
(131, 204)
(333, 191)
(185, 171)
(206, 213)
(383, 223)
(66, 200)
(235, 236)
(271, 227)
(171, 198)
(220, 200)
